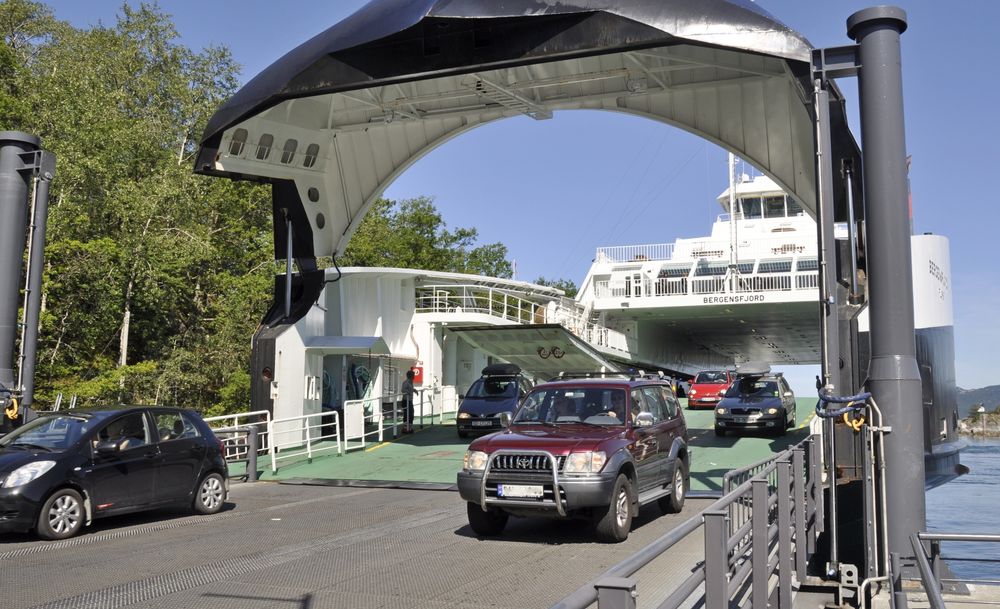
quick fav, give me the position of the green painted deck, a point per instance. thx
(434, 455)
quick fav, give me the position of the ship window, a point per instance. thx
(774, 207)
(238, 142)
(264, 146)
(745, 268)
(288, 152)
(774, 266)
(675, 271)
(711, 269)
(751, 207)
(794, 208)
(807, 264)
(312, 151)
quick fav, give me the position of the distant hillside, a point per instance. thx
(987, 396)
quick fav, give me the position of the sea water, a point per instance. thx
(970, 504)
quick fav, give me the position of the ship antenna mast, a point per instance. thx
(733, 251)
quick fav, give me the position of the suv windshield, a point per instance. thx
(594, 405)
(55, 433)
(753, 388)
(493, 387)
(710, 377)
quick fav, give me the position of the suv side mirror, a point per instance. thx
(644, 419)
(461, 396)
(505, 419)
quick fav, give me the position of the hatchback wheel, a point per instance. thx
(61, 516)
(211, 495)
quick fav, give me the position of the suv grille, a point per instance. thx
(524, 463)
(742, 411)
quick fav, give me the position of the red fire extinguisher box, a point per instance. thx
(418, 375)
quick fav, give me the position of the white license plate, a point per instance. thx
(750, 419)
(482, 423)
(520, 491)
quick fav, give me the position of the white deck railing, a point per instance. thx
(228, 425)
(303, 435)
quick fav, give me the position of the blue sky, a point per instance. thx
(549, 184)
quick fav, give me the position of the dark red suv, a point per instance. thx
(593, 448)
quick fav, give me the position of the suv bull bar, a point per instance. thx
(553, 461)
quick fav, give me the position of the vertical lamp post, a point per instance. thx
(982, 417)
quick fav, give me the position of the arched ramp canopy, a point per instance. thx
(336, 120)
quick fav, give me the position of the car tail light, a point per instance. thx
(222, 446)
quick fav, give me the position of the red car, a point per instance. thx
(709, 387)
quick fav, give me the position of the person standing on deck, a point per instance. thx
(407, 391)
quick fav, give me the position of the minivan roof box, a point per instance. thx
(502, 370)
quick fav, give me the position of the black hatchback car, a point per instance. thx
(761, 402)
(64, 469)
(491, 400)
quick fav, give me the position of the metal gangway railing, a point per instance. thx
(757, 540)
(929, 565)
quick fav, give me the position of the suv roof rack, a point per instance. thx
(592, 374)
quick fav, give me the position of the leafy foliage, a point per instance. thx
(566, 285)
(154, 282)
(412, 234)
(156, 278)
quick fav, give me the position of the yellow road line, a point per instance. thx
(809, 418)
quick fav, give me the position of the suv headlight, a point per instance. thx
(720, 411)
(464, 415)
(585, 463)
(475, 460)
(27, 473)
(772, 411)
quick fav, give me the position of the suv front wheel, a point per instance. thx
(486, 523)
(614, 524)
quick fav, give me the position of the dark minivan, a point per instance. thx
(64, 469)
(491, 399)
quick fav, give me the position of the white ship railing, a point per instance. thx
(513, 307)
(627, 286)
(639, 253)
(788, 244)
(478, 299)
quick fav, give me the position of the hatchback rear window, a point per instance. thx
(710, 377)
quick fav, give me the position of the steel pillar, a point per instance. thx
(894, 378)
(14, 181)
(36, 261)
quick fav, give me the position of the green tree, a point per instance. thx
(154, 281)
(566, 285)
(412, 234)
